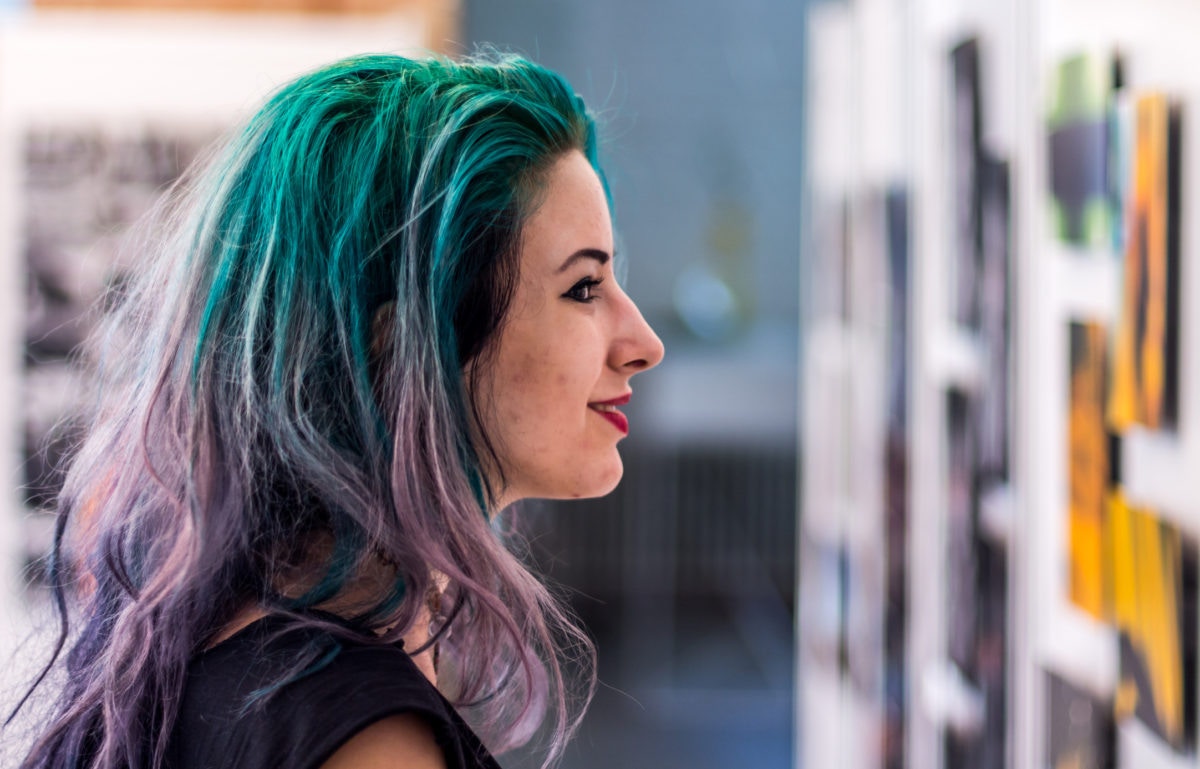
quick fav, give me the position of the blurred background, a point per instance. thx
(916, 485)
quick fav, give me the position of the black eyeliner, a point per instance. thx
(584, 283)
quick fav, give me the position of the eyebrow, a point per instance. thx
(584, 253)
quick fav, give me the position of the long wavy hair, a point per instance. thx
(285, 404)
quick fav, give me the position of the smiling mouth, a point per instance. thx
(608, 410)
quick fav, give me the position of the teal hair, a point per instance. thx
(285, 395)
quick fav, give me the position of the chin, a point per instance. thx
(606, 485)
(600, 485)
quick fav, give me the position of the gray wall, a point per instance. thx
(703, 107)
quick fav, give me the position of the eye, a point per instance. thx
(583, 291)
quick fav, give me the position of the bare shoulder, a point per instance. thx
(397, 742)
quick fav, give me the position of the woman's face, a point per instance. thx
(566, 351)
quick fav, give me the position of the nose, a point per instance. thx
(636, 348)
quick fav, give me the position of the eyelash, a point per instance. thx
(585, 285)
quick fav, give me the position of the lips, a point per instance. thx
(608, 410)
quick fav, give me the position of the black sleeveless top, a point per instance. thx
(303, 722)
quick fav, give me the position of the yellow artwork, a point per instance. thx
(1146, 602)
(1139, 375)
(1088, 470)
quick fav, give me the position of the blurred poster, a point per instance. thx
(1082, 210)
(82, 189)
(1155, 596)
(1121, 120)
(898, 269)
(966, 122)
(994, 303)
(896, 481)
(1145, 358)
(977, 444)
(1087, 469)
(1079, 732)
(989, 749)
(984, 743)
(961, 577)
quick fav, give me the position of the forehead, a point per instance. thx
(572, 214)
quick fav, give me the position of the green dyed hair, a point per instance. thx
(288, 367)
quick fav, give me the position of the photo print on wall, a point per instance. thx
(82, 189)
(966, 126)
(1082, 210)
(1145, 380)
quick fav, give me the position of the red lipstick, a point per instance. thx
(608, 410)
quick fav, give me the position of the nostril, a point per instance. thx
(638, 364)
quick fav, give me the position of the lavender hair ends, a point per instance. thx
(280, 413)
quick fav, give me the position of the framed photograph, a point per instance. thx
(995, 301)
(99, 114)
(896, 480)
(1088, 470)
(1080, 732)
(977, 594)
(83, 187)
(1155, 609)
(1145, 378)
(965, 130)
(1082, 209)
(989, 748)
(962, 609)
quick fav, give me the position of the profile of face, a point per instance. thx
(563, 359)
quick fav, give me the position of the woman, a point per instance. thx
(384, 313)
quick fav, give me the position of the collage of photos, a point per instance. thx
(1114, 159)
(1043, 555)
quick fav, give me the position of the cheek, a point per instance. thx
(551, 444)
(525, 397)
(547, 370)
(542, 378)
(548, 424)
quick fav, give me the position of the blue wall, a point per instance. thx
(704, 99)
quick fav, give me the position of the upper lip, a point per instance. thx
(620, 400)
